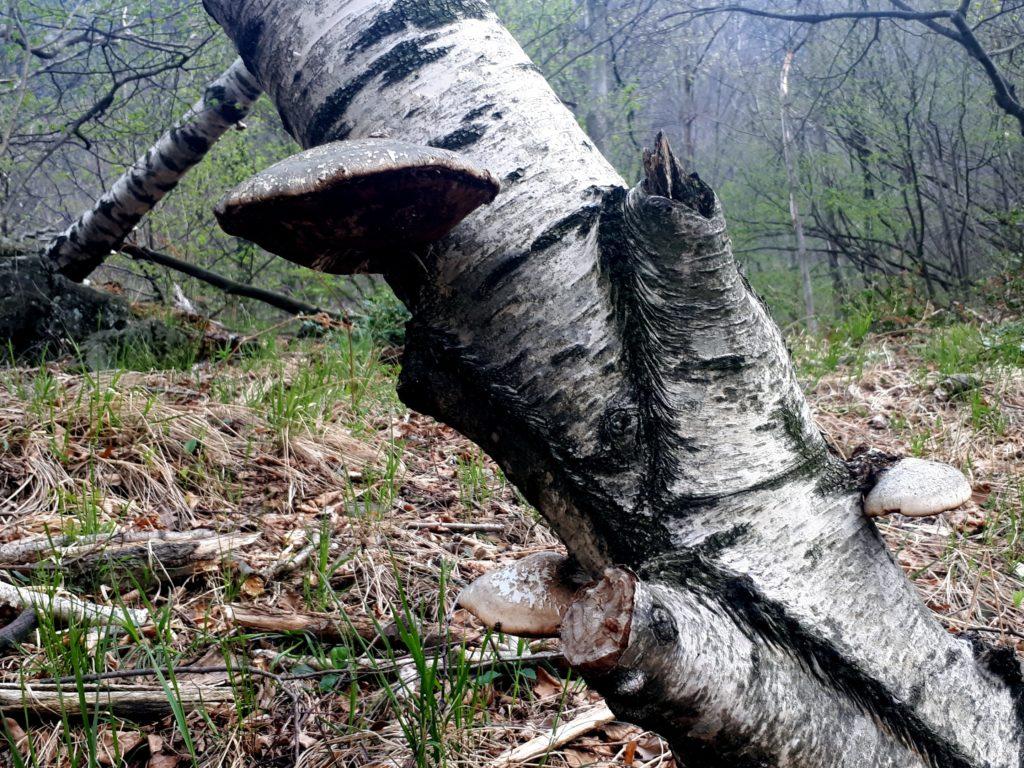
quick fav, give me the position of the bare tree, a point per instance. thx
(73, 69)
(600, 343)
(953, 24)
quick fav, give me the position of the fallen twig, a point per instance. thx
(71, 608)
(459, 527)
(323, 625)
(82, 698)
(36, 548)
(558, 737)
(291, 561)
(14, 634)
(228, 286)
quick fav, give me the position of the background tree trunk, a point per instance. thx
(803, 258)
(601, 345)
(87, 243)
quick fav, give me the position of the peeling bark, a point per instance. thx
(603, 346)
(102, 229)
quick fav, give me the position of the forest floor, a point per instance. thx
(302, 494)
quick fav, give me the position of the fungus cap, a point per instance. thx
(918, 488)
(334, 206)
(527, 598)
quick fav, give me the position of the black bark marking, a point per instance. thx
(248, 40)
(477, 113)
(723, 363)
(168, 162)
(505, 269)
(424, 14)
(140, 193)
(643, 326)
(833, 477)
(399, 63)
(618, 430)
(216, 98)
(530, 447)
(766, 621)
(196, 143)
(575, 352)
(462, 138)
(1002, 662)
(578, 222)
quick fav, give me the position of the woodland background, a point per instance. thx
(901, 168)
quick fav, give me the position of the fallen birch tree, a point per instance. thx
(601, 344)
(85, 245)
(41, 302)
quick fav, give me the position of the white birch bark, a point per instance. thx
(603, 347)
(87, 242)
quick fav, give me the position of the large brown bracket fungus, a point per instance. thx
(602, 345)
(338, 207)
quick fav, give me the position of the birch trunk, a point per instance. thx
(802, 257)
(86, 244)
(601, 344)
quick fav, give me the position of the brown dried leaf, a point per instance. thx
(16, 733)
(113, 746)
(577, 759)
(253, 586)
(547, 685)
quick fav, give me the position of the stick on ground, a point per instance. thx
(71, 608)
(581, 725)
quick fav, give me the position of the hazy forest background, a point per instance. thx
(901, 169)
(875, 193)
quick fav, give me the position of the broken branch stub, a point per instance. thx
(595, 632)
(333, 208)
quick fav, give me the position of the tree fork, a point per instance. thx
(601, 344)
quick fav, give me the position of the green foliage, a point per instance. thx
(967, 347)
(382, 318)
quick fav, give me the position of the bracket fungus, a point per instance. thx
(337, 206)
(527, 598)
(917, 488)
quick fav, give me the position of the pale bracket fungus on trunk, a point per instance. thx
(917, 488)
(527, 598)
